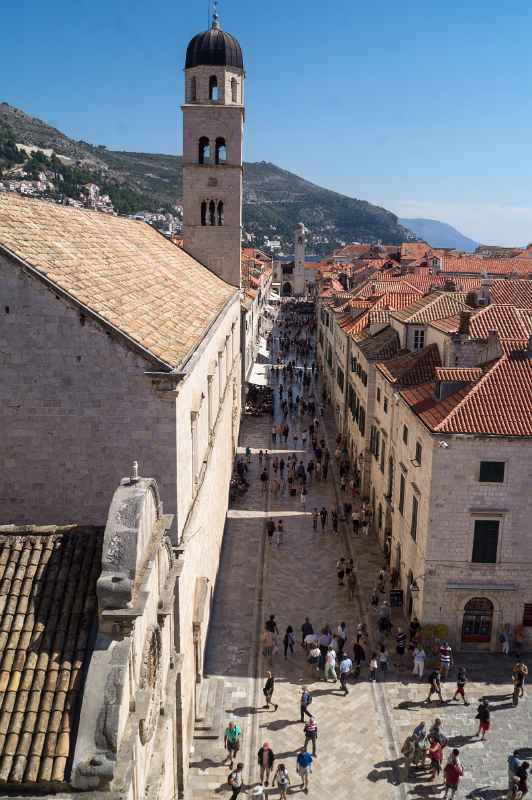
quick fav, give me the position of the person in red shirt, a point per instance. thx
(452, 773)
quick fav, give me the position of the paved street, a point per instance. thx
(360, 735)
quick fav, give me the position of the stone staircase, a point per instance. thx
(210, 709)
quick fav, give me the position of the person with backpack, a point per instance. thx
(452, 773)
(304, 768)
(268, 689)
(236, 781)
(304, 702)
(483, 716)
(461, 680)
(265, 758)
(282, 779)
(435, 685)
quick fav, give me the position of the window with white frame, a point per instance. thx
(419, 339)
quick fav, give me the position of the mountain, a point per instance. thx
(439, 234)
(275, 200)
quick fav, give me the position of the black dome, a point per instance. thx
(214, 48)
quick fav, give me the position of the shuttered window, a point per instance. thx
(485, 541)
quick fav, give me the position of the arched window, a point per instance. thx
(213, 88)
(234, 90)
(220, 153)
(204, 213)
(193, 89)
(212, 213)
(220, 213)
(204, 151)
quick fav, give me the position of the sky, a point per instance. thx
(422, 107)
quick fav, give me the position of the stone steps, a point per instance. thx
(210, 712)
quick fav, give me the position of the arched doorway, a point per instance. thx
(478, 621)
(287, 289)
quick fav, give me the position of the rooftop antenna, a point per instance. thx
(215, 18)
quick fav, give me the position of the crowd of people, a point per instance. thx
(343, 652)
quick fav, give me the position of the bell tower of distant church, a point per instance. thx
(213, 121)
(299, 260)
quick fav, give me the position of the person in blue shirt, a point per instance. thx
(304, 767)
(514, 762)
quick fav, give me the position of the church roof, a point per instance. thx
(214, 48)
(124, 271)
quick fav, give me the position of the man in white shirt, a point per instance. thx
(346, 665)
(330, 666)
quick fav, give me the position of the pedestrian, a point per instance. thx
(346, 665)
(514, 762)
(452, 773)
(280, 533)
(408, 750)
(268, 689)
(504, 639)
(306, 630)
(483, 716)
(414, 626)
(289, 640)
(270, 530)
(383, 659)
(261, 456)
(323, 515)
(263, 481)
(359, 655)
(311, 734)
(271, 625)
(446, 659)
(248, 454)
(435, 685)
(304, 702)
(236, 781)
(265, 758)
(419, 661)
(461, 680)
(522, 780)
(400, 643)
(340, 571)
(341, 632)
(355, 520)
(274, 434)
(330, 666)
(304, 767)
(436, 756)
(317, 470)
(315, 516)
(373, 667)
(303, 498)
(282, 779)
(325, 470)
(334, 520)
(232, 736)
(268, 643)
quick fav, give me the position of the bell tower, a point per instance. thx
(213, 123)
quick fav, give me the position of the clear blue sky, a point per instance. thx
(421, 106)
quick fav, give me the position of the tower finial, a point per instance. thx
(215, 18)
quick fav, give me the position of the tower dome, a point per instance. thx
(214, 48)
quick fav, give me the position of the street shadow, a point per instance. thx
(207, 763)
(461, 740)
(421, 790)
(244, 711)
(487, 794)
(388, 771)
(492, 698)
(280, 724)
(408, 705)
(502, 707)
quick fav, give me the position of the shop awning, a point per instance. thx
(259, 375)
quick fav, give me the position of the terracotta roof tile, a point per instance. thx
(509, 322)
(408, 368)
(492, 266)
(122, 269)
(458, 374)
(48, 627)
(381, 345)
(435, 305)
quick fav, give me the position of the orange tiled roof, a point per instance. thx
(122, 269)
(498, 404)
(509, 322)
(414, 250)
(458, 374)
(513, 292)
(493, 266)
(47, 612)
(436, 305)
(408, 368)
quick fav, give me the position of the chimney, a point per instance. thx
(465, 319)
(484, 297)
(472, 299)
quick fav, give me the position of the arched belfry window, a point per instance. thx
(193, 89)
(220, 153)
(204, 213)
(212, 213)
(204, 151)
(220, 213)
(234, 90)
(213, 88)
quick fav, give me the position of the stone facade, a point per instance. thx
(126, 739)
